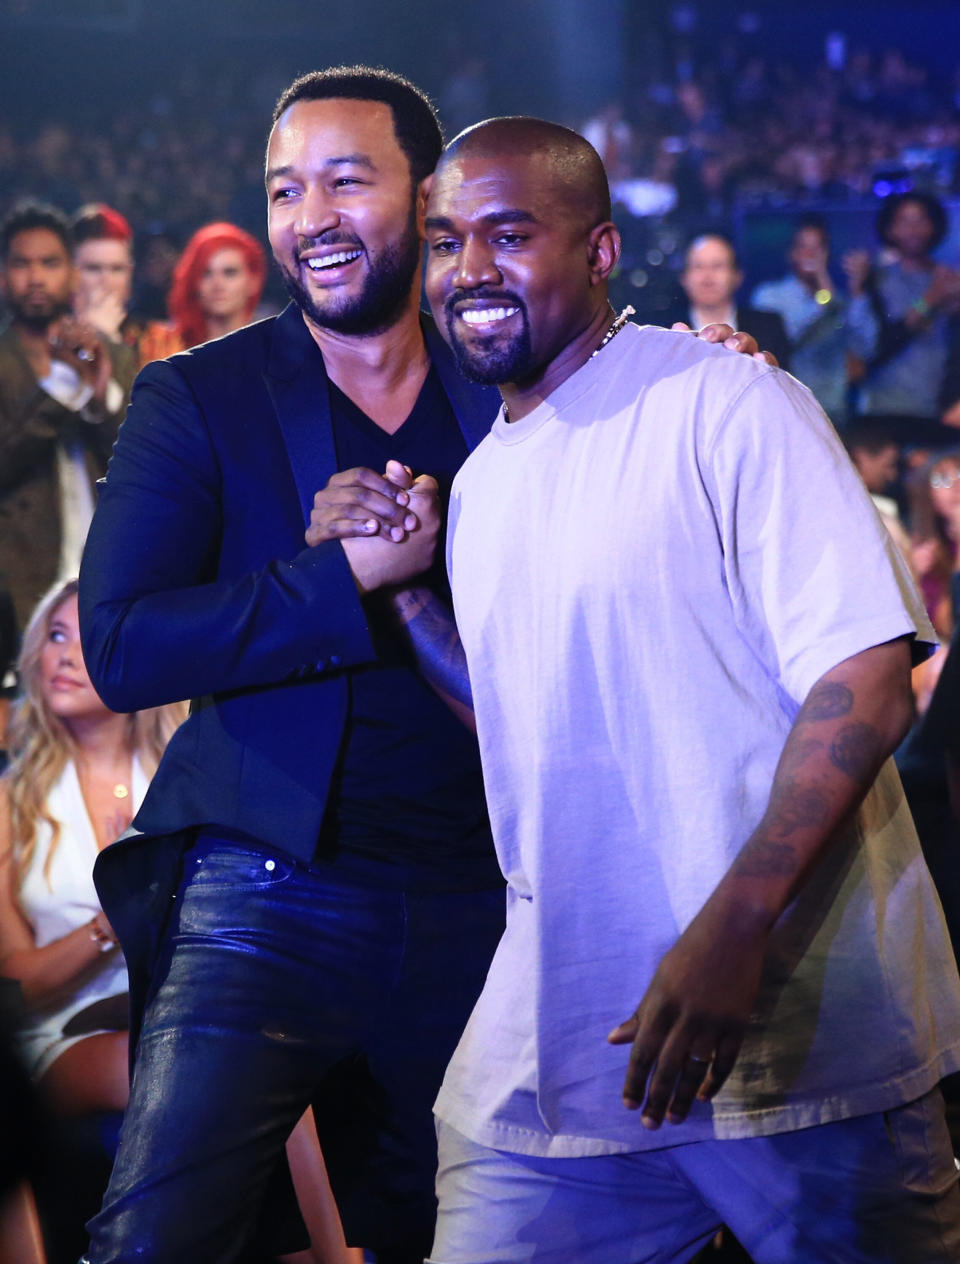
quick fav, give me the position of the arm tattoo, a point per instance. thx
(767, 860)
(827, 700)
(856, 750)
(795, 807)
(436, 645)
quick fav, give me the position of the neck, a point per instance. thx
(33, 338)
(713, 314)
(383, 372)
(101, 740)
(916, 263)
(217, 326)
(522, 398)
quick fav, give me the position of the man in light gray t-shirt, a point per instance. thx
(688, 675)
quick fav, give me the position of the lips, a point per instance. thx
(65, 682)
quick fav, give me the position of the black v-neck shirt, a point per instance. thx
(408, 789)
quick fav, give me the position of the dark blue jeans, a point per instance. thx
(273, 974)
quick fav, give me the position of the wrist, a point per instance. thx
(99, 936)
(407, 603)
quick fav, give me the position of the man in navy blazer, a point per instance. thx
(273, 926)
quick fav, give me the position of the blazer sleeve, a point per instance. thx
(158, 622)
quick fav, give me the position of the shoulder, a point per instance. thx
(770, 292)
(250, 346)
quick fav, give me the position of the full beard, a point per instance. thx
(36, 317)
(382, 299)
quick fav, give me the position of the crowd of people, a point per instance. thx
(184, 598)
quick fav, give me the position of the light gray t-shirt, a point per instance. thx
(650, 571)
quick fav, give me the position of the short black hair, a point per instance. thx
(27, 215)
(415, 119)
(812, 221)
(933, 207)
(574, 160)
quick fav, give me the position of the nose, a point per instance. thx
(316, 214)
(476, 266)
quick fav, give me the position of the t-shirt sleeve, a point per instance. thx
(813, 575)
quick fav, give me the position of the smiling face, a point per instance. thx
(227, 286)
(64, 682)
(342, 214)
(509, 265)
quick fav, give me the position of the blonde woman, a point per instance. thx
(77, 775)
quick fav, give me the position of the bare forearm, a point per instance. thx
(431, 631)
(849, 724)
(41, 971)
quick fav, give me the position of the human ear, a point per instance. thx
(603, 251)
(423, 196)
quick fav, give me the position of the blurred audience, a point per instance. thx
(103, 256)
(913, 361)
(877, 458)
(77, 775)
(824, 327)
(710, 279)
(63, 391)
(217, 285)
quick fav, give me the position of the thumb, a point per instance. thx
(398, 474)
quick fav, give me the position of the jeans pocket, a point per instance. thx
(236, 869)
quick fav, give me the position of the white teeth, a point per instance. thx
(487, 315)
(329, 261)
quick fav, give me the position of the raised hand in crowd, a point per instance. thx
(99, 306)
(80, 345)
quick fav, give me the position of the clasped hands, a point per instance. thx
(387, 523)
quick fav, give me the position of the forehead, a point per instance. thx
(807, 237)
(710, 251)
(911, 210)
(473, 187)
(103, 250)
(227, 257)
(37, 243)
(67, 612)
(311, 134)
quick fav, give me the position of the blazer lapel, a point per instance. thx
(297, 384)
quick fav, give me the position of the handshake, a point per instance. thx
(387, 523)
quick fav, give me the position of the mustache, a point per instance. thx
(502, 298)
(333, 237)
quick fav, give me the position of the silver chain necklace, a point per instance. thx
(611, 333)
(615, 328)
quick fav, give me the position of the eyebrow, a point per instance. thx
(494, 218)
(340, 160)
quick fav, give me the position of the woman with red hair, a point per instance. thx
(216, 286)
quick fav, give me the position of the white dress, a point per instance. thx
(59, 902)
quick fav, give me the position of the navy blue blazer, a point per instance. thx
(196, 583)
